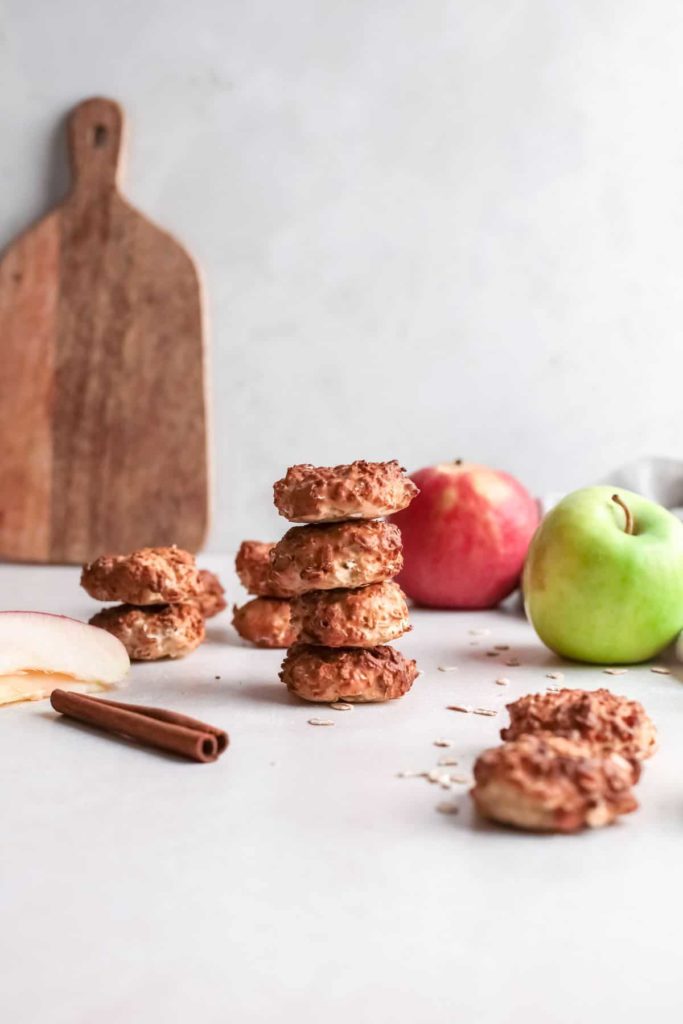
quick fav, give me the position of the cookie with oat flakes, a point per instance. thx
(154, 631)
(144, 577)
(327, 494)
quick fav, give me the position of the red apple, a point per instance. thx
(465, 536)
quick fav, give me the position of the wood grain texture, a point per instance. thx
(103, 441)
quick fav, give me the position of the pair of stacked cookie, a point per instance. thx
(339, 568)
(164, 600)
(266, 620)
(569, 761)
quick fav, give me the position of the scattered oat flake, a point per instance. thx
(410, 775)
(445, 762)
(340, 705)
(661, 670)
(460, 780)
(466, 710)
(552, 689)
(484, 711)
(554, 675)
(502, 681)
(512, 662)
(320, 721)
(447, 668)
(502, 647)
(437, 776)
(479, 632)
(443, 743)
(615, 671)
(446, 807)
(492, 654)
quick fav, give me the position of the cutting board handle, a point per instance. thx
(95, 129)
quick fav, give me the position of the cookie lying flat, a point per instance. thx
(331, 555)
(147, 576)
(350, 674)
(546, 783)
(211, 597)
(253, 566)
(365, 617)
(608, 722)
(156, 631)
(265, 622)
(327, 494)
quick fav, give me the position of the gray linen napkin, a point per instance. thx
(654, 477)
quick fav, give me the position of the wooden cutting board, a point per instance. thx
(103, 444)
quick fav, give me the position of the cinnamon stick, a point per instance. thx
(157, 727)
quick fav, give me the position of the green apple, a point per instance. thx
(603, 579)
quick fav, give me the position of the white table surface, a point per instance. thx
(298, 879)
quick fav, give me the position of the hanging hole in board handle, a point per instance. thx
(95, 129)
(100, 135)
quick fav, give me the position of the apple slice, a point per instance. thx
(40, 652)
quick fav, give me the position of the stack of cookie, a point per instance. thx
(340, 567)
(165, 600)
(569, 761)
(266, 620)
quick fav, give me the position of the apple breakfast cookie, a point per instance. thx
(265, 621)
(364, 617)
(546, 783)
(211, 596)
(328, 494)
(353, 674)
(144, 577)
(330, 555)
(607, 722)
(253, 566)
(155, 631)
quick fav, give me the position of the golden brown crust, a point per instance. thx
(599, 717)
(156, 631)
(329, 494)
(332, 555)
(365, 617)
(211, 597)
(265, 622)
(144, 577)
(253, 566)
(547, 783)
(352, 674)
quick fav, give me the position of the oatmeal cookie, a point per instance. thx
(365, 617)
(211, 597)
(147, 576)
(353, 674)
(607, 722)
(327, 494)
(155, 631)
(265, 622)
(253, 566)
(331, 555)
(546, 783)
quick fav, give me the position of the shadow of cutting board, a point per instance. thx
(103, 438)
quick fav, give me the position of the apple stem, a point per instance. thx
(629, 528)
(457, 462)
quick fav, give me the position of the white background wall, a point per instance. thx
(429, 229)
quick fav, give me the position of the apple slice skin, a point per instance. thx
(597, 594)
(44, 643)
